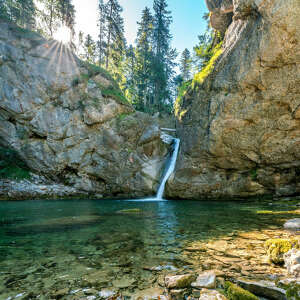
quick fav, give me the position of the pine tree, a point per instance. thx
(89, 47)
(186, 65)
(144, 61)
(101, 45)
(21, 12)
(115, 29)
(164, 55)
(130, 75)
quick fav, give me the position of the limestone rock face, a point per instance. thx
(240, 129)
(220, 14)
(62, 119)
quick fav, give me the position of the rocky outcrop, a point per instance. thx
(240, 127)
(69, 121)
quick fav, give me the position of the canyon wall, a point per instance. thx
(240, 127)
(68, 121)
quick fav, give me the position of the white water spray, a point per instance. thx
(170, 169)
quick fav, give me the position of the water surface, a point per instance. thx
(51, 245)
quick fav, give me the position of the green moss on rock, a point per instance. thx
(11, 166)
(276, 248)
(234, 292)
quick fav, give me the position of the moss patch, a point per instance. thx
(203, 74)
(11, 167)
(114, 93)
(276, 248)
(234, 292)
(182, 90)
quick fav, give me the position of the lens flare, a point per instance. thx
(63, 35)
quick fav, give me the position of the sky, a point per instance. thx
(187, 19)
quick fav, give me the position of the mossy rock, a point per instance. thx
(234, 292)
(276, 248)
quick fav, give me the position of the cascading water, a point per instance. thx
(169, 169)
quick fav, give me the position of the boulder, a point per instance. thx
(293, 224)
(179, 281)
(205, 280)
(233, 291)
(267, 289)
(292, 262)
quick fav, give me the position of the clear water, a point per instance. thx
(50, 245)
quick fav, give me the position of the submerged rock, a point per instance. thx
(124, 282)
(130, 211)
(148, 294)
(211, 295)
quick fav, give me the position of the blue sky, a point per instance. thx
(187, 19)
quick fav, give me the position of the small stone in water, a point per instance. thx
(20, 295)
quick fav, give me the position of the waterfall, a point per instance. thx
(169, 169)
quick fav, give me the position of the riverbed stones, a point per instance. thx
(205, 280)
(123, 282)
(207, 294)
(179, 281)
(148, 294)
(98, 279)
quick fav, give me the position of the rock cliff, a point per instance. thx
(240, 126)
(69, 121)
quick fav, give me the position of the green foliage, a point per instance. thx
(277, 247)
(182, 90)
(198, 80)
(124, 116)
(114, 93)
(234, 292)
(293, 291)
(11, 166)
(20, 12)
(204, 73)
(186, 64)
(92, 70)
